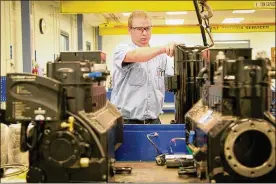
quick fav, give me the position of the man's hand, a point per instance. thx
(169, 49)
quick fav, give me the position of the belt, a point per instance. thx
(137, 121)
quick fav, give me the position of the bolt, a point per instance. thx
(47, 142)
(104, 176)
(252, 74)
(64, 76)
(213, 181)
(75, 151)
(73, 141)
(47, 131)
(60, 134)
(217, 160)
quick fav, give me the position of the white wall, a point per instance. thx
(258, 41)
(46, 45)
(11, 35)
(89, 35)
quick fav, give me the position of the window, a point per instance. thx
(88, 46)
(64, 41)
(235, 44)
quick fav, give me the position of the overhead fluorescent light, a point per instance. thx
(174, 21)
(126, 14)
(176, 13)
(232, 20)
(243, 11)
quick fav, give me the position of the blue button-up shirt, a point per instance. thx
(138, 88)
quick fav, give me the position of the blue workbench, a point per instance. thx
(136, 146)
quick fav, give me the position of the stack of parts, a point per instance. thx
(15, 156)
(4, 144)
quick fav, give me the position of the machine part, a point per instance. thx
(76, 130)
(122, 170)
(187, 64)
(234, 134)
(160, 160)
(97, 57)
(201, 170)
(263, 156)
(190, 170)
(170, 159)
(179, 160)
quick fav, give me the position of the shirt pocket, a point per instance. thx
(137, 76)
(160, 83)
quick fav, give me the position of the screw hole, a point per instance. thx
(252, 125)
(235, 165)
(269, 165)
(229, 157)
(252, 172)
(235, 131)
(227, 148)
(269, 131)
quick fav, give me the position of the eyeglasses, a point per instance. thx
(141, 29)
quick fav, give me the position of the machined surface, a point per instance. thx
(238, 130)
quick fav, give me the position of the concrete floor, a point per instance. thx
(166, 118)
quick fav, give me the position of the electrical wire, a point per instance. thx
(154, 134)
(92, 134)
(21, 169)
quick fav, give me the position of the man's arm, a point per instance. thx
(144, 54)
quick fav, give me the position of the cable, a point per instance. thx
(155, 134)
(92, 134)
(21, 169)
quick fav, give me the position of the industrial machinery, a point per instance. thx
(76, 130)
(187, 64)
(226, 104)
(97, 57)
(234, 129)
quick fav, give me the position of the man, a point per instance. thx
(138, 73)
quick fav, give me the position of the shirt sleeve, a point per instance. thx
(169, 66)
(120, 54)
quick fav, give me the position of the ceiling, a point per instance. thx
(158, 18)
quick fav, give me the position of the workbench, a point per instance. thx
(142, 172)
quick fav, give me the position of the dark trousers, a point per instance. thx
(147, 121)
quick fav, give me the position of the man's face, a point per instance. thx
(140, 31)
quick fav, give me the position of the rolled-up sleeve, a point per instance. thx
(120, 54)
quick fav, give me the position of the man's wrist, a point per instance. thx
(162, 50)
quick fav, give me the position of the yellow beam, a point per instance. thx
(74, 7)
(122, 30)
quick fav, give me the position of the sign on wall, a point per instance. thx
(122, 30)
(242, 28)
(264, 4)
